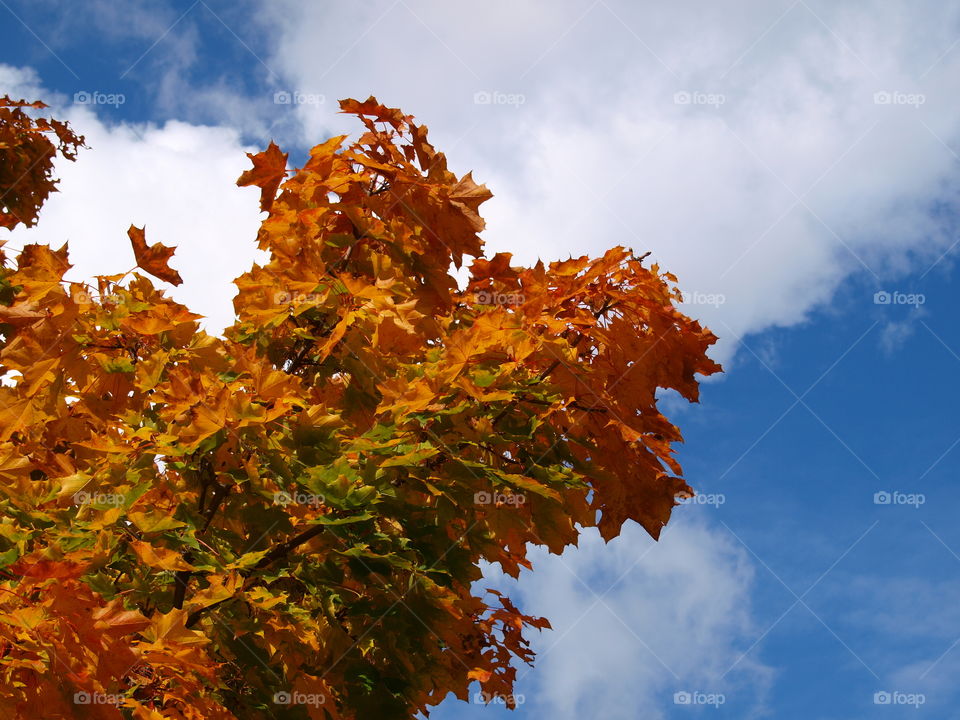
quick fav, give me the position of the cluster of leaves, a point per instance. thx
(26, 159)
(194, 526)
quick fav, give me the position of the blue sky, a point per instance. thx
(787, 160)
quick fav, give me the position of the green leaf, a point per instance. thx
(522, 482)
(118, 365)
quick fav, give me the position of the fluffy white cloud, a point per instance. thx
(178, 180)
(636, 623)
(764, 152)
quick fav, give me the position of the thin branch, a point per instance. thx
(502, 457)
(277, 552)
(284, 548)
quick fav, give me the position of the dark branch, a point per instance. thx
(284, 548)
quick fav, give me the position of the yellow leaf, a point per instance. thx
(154, 521)
(220, 589)
(72, 483)
(158, 557)
(171, 628)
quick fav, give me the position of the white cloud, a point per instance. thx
(812, 141)
(178, 180)
(895, 334)
(20, 83)
(672, 617)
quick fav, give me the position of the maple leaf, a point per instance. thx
(269, 170)
(21, 314)
(158, 557)
(153, 259)
(114, 619)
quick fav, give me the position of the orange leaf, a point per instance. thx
(114, 619)
(22, 314)
(153, 259)
(158, 557)
(269, 170)
(479, 674)
(44, 569)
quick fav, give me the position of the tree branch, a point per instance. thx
(277, 552)
(181, 579)
(284, 548)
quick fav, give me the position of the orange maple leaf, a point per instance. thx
(153, 259)
(269, 170)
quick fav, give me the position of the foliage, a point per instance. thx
(26, 159)
(289, 521)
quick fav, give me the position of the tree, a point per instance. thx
(26, 170)
(289, 520)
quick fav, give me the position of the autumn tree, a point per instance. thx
(26, 159)
(289, 521)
